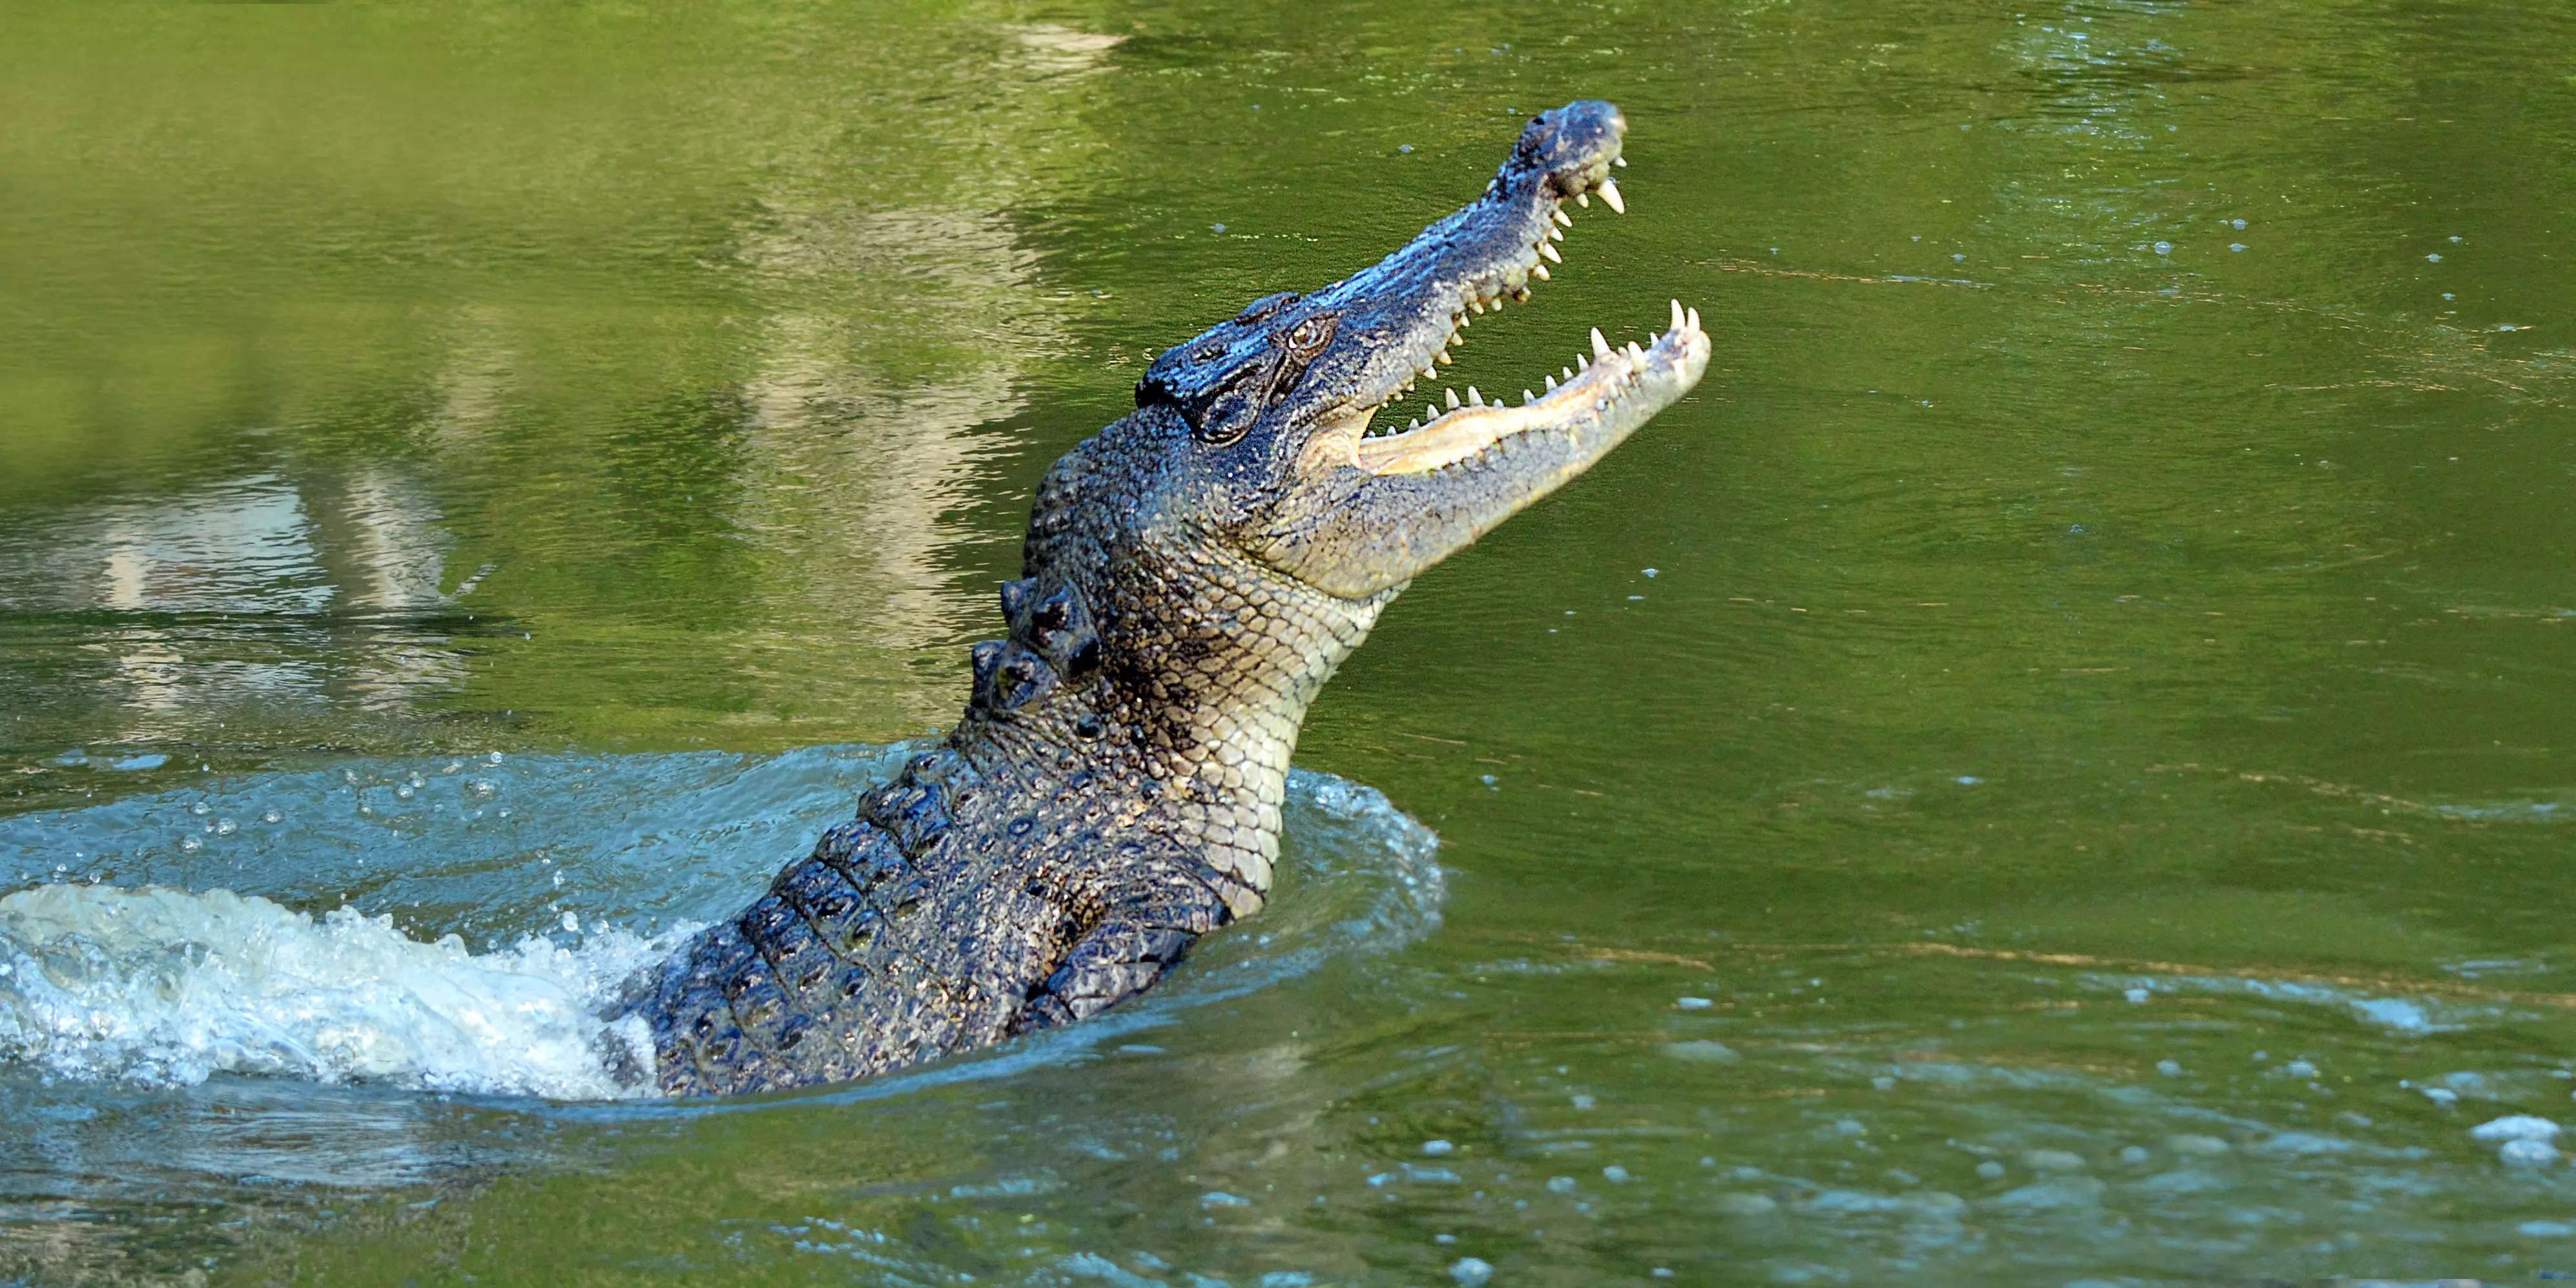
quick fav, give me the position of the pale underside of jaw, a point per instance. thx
(1592, 388)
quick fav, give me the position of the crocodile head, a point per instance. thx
(1291, 451)
(1195, 572)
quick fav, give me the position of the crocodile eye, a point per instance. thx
(1308, 336)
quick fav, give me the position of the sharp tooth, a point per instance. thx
(1430, 412)
(1582, 363)
(1600, 347)
(1551, 384)
(1610, 193)
(1550, 252)
(1540, 272)
(1444, 359)
(1563, 219)
(1453, 397)
(1567, 372)
(1412, 425)
(1694, 319)
(1621, 162)
(1521, 296)
(1463, 323)
(1527, 398)
(1583, 199)
(1677, 313)
(1474, 399)
(1635, 354)
(1556, 234)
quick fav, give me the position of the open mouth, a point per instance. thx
(1608, 382)
(1595, 387)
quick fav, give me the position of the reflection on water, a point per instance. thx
(752, 442)
(2048, 768)
(248, 592)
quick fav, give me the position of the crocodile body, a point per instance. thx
(1192, 576)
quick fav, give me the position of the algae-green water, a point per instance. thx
(2051, 767)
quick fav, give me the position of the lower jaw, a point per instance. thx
(1607, 378)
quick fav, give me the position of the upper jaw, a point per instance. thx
(1417, 302)
(1410, 309)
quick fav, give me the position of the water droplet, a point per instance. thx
(2164, 248)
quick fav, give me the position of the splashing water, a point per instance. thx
(163, 986)
(159, 986)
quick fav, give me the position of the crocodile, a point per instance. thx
(1192, 576)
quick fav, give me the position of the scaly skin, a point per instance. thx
(1192, 577)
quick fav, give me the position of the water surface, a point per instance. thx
(2049, 767)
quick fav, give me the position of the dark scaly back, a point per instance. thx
(1004, 881)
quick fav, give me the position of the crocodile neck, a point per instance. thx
(1174, 691)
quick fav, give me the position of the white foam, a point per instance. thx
(2515, 1127)
(168, 987)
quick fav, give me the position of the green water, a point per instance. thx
(2084, 632)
